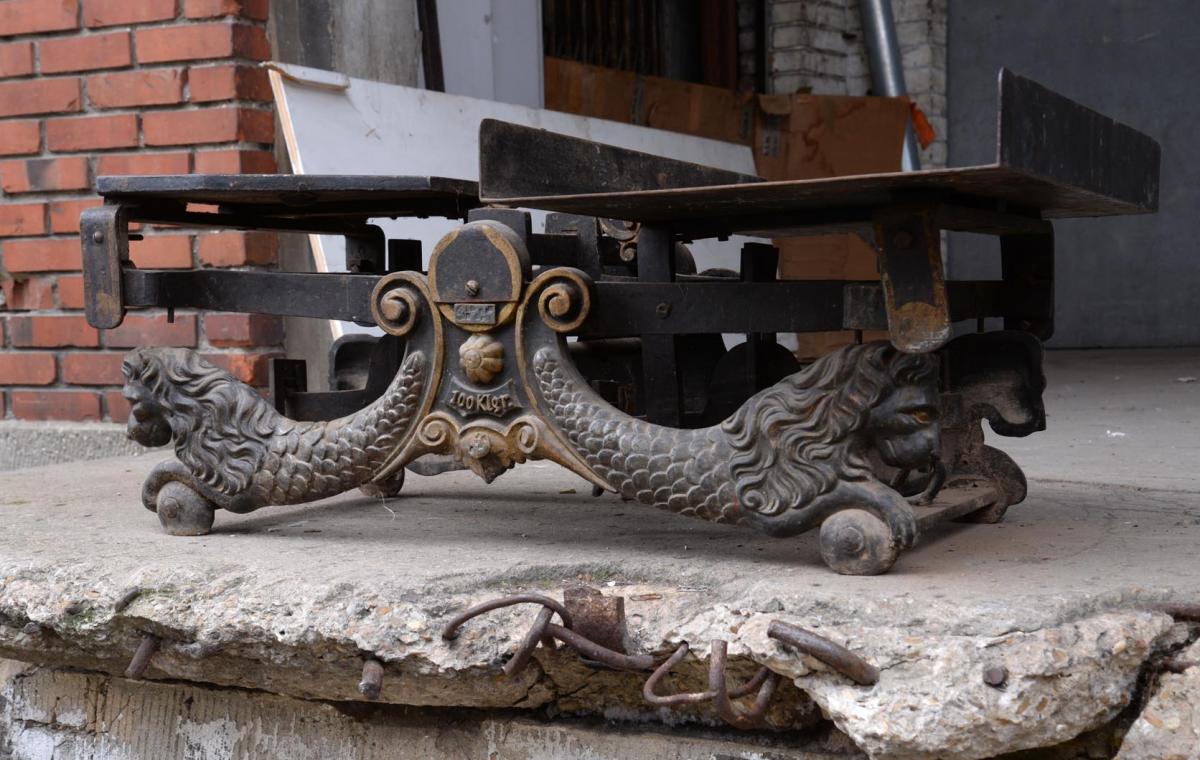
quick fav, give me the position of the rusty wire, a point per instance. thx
(763, 684)
(832, 654)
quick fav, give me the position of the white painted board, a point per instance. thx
(338, 125)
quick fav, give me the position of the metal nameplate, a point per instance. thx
(475, 313)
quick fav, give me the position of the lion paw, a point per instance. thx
(903, 525)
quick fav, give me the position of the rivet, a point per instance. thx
(663, 310)
(97, 237)
(472, 288)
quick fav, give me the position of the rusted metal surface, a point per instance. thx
(450, 632)
(598, 617)
(832, 654)
(141, 658)
(372, 678)
(914, 288)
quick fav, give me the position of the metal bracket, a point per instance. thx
(914, 287)
(105, 235)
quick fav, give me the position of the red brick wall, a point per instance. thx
(93, 87)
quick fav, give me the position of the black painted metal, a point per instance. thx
(350, 197)
(619, 309)
(660, 375)
(519, 161)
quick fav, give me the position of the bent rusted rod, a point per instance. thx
(372, 678)
(536, 634)
(141, 658)
(832, 654)
(451, 631)
(603, 655)
(695, 697)
(722, 698)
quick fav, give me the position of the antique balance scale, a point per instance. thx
(869, 444)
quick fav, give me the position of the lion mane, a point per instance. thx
(795, 441)
(219, 425)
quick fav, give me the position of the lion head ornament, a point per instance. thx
(219, 426)
(815, 431)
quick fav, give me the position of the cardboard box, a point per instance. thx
(675, 106)
(793, 137)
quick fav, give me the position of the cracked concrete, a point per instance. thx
(289, 600)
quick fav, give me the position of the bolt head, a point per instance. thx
(663, 310)
(472, 288)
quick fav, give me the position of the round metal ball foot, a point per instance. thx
(183, 512)
(385, 489)
(856, 542)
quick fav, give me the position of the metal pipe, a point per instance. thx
(887, 70)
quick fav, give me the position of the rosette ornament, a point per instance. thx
(482, 357)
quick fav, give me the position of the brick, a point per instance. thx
(194, 42)
(242, 330)
(38, 175)
(153, 87)
(236, 249)
(42, 255)
(228, 82)
(250, 368)
(117, 406)
(89, 368)
(18, 219)
(20, 138)
(28, 294)
(235, 162)
(213, 125)
(251, 9)
(92, 132)
(34, 16)
(76, 406)
(27, 368)
(118, 12)
(16, 59)
(153, 330)
(162, 252)
(64, 215)
(95, 51)
(32, 96)
(143, 163)
(52, 331)
(70, 292)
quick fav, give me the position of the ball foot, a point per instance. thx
(183, 512)
(856, 542)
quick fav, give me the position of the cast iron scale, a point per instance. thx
(870, 443)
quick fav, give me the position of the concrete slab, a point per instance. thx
(290, 600)
(1129, 417)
